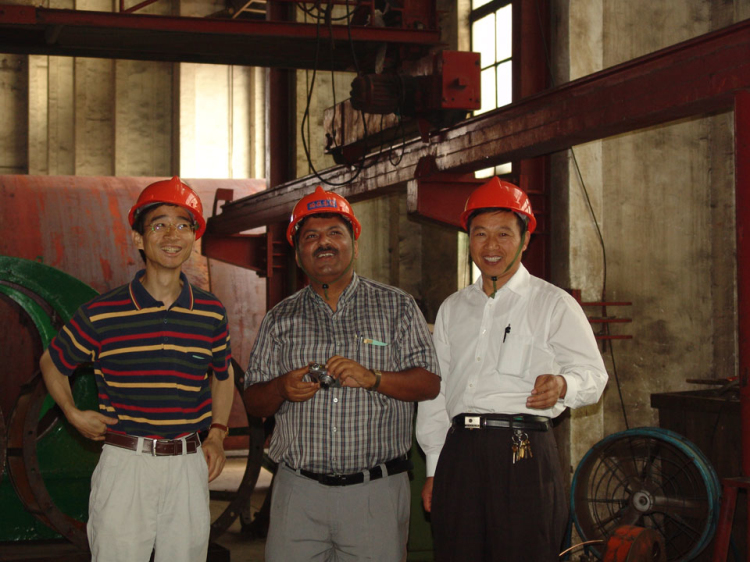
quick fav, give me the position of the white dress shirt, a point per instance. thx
(491, 350)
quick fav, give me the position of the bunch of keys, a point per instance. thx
(521, 446)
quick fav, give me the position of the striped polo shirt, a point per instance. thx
(150, 362)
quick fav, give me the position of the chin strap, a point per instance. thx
(315, 280)
(515, 258)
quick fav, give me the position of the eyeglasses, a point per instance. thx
(180, 227)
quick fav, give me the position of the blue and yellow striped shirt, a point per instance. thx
(150, 362)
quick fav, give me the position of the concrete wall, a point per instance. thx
(664, 201)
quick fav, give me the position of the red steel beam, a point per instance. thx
(278, 44)
(695, 77)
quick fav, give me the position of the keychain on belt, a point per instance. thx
(520, 446)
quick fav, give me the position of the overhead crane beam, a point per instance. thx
(695, 77)
(274, 44)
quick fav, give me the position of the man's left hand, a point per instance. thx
(213, 451)
(548, 389)
(350, 373)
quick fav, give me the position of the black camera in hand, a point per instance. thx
(319, 374)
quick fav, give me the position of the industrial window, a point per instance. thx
(492, 36)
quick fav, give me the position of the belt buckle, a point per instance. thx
(335, 479)
(154, 443)
(472, 422)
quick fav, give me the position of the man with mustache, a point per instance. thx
(151, 343)
(341, 491)
(514, 353)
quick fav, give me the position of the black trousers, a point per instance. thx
(485, 508)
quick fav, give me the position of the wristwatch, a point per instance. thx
(377, 374)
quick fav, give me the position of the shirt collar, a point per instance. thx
(347, 293)
(142, 298)
(518, 284)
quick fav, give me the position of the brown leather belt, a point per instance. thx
(155, 447)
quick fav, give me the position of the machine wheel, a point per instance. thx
(24, 468)
(651, 478)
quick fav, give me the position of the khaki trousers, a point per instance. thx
(139, 502)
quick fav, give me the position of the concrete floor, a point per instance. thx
(241, 548)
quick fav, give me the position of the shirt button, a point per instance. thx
(335, 400)
(165, 320)
(483, 331)
(166, 339)
(334, 430)
(479, 358)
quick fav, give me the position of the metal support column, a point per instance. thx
(730, 486)
(742, 198)
(531, 76)
(280, 159)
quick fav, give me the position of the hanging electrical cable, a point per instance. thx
(306, 114)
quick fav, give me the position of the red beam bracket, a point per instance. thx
(436, 196)
(242, 250)
(605, 320)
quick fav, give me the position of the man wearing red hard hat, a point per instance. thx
(151, 343)
(339, 364)
(514, 353)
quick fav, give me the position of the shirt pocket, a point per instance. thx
(374, 351)
(514, 358)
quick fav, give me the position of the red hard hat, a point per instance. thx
(499, 194)
(175, 192)
(321, 202)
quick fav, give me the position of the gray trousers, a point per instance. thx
(313, 522)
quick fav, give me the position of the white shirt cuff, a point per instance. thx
(431, 463)
(571, 392)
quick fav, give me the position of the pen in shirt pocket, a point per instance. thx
(370, 341)
(507, 331)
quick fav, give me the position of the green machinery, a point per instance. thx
(44, 491)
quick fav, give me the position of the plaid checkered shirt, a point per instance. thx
(342, 430)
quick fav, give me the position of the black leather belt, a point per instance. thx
(395, 466)
(520, 421)
(155, 447)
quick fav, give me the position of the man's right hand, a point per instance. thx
(427, 494)
(291, 386)
(90, 424)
